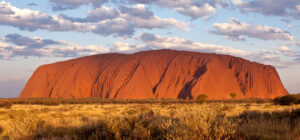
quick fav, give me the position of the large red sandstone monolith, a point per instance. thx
(154, 74)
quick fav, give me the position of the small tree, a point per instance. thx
(201, 97)
(233, 95)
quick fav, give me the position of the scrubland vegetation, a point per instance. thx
(288, 99)
(148, 119)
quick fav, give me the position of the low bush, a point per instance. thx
(232, 95)
(95, 130)
(5, 138)
(1, 129)
(288, 99)
(201, 98)
(6, 105)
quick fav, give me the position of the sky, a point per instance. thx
(38, 32)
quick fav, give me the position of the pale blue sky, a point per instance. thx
(37, 32)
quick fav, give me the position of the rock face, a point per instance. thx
(154, 74)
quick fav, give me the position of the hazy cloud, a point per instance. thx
(150, 41)
(103, 21)
(147, 37)
(164, 42)
(59, 5)
(197, 11)
(138, 10)
(32, 4)
(262, 56)
(236, 30)
(102, 13)
(286, 51)
(138, 16)
(96, 15)
(5, 9)
(128, 48)
(19, 40)
(297, 43)
(26, 19)
(144, 18)
(11, 87)
(118, 26)
(297, 58)
(190, 8)
(39, 47)
(270, 7)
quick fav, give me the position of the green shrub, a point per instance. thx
(201, 97)
(288, 99)
(232, 95)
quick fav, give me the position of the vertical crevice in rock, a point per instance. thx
(163, 75)
(95, 91)
(50, 93)
(128, 78)
(186, 91)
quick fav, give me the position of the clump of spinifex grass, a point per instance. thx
(269, 125)
(6, 104)
(1, 129)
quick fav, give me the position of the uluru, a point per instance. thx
(155, 74)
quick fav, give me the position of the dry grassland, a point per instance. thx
(215, 120)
